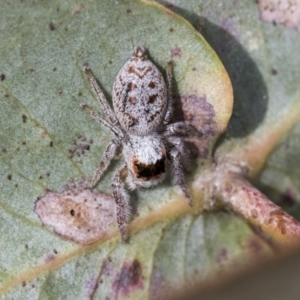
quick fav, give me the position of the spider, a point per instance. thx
(142, 124)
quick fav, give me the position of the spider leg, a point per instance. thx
(115, 129)
(169, 112)
(122, 201)
(181, 129)
(178, 178)
(106, 159)
(101, 98)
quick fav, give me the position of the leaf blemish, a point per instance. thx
(254, 246)
(9, 176)
(73, 214)
(91, 285)
(49, 257)
(176, 52)
(24, 118)
(78, 9)
(80, 146)
(52, 26)
(2, 77)
(129, 277)
(198, 112)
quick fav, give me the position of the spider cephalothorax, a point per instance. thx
(141, 122)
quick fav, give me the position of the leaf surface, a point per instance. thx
(43, 133)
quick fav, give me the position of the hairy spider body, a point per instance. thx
(148, 163)
(141, 122)
(139, 95)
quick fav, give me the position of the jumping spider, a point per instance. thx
(142, 124)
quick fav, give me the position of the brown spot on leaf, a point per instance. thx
(79, 146)
(199, 113)
(79, 215)
(78, 9)
(9, 176)
(24, 118)
(49, 257)
(130, 277)
(286, 12)
(171, 29)
(274, 71)
(254, 246)
(51, 26)
(176, 51)
(129, 11)
(2, 77)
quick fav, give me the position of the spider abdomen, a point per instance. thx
(139, 95)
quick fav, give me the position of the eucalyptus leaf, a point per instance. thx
(43, 131)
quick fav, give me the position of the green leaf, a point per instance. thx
(263, 132)
(262, 63)
(43, 131)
